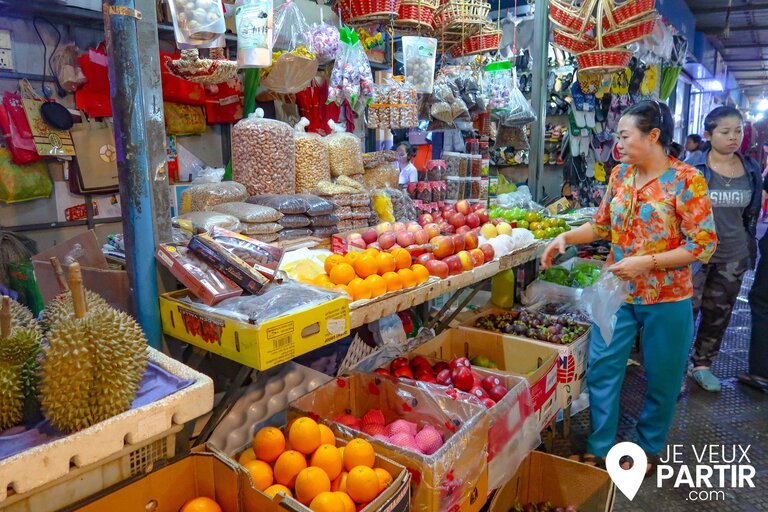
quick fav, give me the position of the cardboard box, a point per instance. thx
(395, 498)
(175, 197)
(258, 346)
(535, 363)
(72, 207)
(208, 284)
(113, 285)
(169, 488)
(562, 482)
(453, 478)
(228, 263)
(572, 360)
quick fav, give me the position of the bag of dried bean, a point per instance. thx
(312, 164)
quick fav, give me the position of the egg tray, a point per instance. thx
(264, 403)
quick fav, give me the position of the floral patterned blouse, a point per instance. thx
(670, 211)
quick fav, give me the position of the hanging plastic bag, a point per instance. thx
(293, 60)
(254, 24)
(602, 301)
(325, 41)
(419, 59)
(22, 182)
(197, 21)
(351, 78)
(65, 65)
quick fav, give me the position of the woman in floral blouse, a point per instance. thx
(657, 215)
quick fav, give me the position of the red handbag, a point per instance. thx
(16, 131)
(93, 97)
(224, 101)
(178, 90)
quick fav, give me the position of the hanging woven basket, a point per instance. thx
(625, 12)
(190, 66)
(573, 43)
(458, 13)
(602, 59)
(630, 32)
(571, 17)
(415, 15)
(486, 41)
(364, 12)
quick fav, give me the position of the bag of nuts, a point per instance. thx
(263, 152)
(312, 165)
(205, 196)
(344, 152)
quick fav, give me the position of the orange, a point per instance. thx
(321, 280)
(201, 504)
(384, 478)
(343, 288)
(422, 274)
(341, 451)
(358, 452)
(393, 282)
(326, 435)
(408, 277)
(331, 261)
(268, 444)
(340, 484)
(272, 490)
(362, 484)
(349, 505)
(385, 262)
(261, 474)
(366, 266)
(402, 258)
(327, 502)
(378, 285)
(371, 252)
(360, 289)
(327, 458)
(352, 256)
(304, 435)
(310, 482)
(246, 456)
(342, 273)
(287, 466)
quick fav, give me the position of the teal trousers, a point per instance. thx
(666, 340)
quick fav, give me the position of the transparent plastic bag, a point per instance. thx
(382, 205)
(197, 21)
(351, 77)
(207, 195)
(312, 163)
(395, 107)
(294, 233)
(344, 152)
(293, 64)
(285, 204)
(295, 221)
(382, 175)
(317, 206)
(263, 228)
(251, 213)
(325, 231)
(208, 175)
(602, 301)
(291, 28)
(197, 222)
(419, 59)
(66, 66)
(322, 221)
(325, 41)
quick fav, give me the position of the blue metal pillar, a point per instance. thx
(131, 36)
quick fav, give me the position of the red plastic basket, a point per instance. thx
(486, 41)
(628, 11)
(629, 33)
(573, 43)
(416, 14)
(357, 12)
(604, 60)
(568, 19)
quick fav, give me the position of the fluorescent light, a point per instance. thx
(759, 117)
(711, 85)
(763, 105)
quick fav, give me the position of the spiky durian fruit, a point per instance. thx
(91, 368)
(22, 317)
(19, 347)
(61, 308)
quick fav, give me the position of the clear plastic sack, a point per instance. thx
(325, 42)
(312, 163)
(208, 175)
(294, 233)
(65, 65)
(251, 213)
(602, 301)
(263, 228)
(293, 63)
(207, 195)
(197, 21)
(198, 222)
(323, 221)
(419, 62)
(344, 152)
(285, 204)
(325, 231)
(295, 221)
(351, 77)
(317, 206)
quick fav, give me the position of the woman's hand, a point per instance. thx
(632, 267)
(555, 246)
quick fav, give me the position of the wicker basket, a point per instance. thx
(570, 18)
(487, 40)
(631, 32)
(458, 13)
(416, 14)
(603, 60)
(363, 12)
(625, 12)
(573, 43)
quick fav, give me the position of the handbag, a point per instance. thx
(14, 141)
(22, 182)
(94, 169)
(183, 119)
(48, 140)
(93, 97)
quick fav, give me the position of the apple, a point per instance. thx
(422, 259)
(489, 231)
(404, 238)
(421, 373)
(462, 378)
(466, 260)
(420, 361)
(358, 242)
(455, 266)
(387, 240)
(496, 222)
(458, 243)
(374, 245)
(440, 366)
(438, 268)
(403, 372)
(417, 250)
(428, 378)
(471, 241)
(382, 371)
(398, 362)
(473, 220)
(479, 392)
(476, 382)
(478, 258)
(488, 252)
(504, 229)
(425, 219)
(490, 382)
(497, 393)
(442, 246)
(458, 362)
(432, 230)
(370, 236)
(448, 229)
(488, 403)
(420, 237)
(464, 207)
(457, 220)
(412, 226)
(444, 377)
(463, 230)
(383, 227)
(482, 214)
(398, 226)
(448, 209)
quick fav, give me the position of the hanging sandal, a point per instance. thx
(754, 381)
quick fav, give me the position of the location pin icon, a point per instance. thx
(627, 480)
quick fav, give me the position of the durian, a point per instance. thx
(93, 364)
(19, 348)
(61, 307)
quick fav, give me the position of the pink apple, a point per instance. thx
(462, 378)
(438, 268)
(483, 215)
(421, 237)
(488, 252)
(370, 236)
(473, 220)
(464, 207)
(444, 377)
(497, 393)
(457, 220)
(404, 238)
(454, 265)
(425, 219)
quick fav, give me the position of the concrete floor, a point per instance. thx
(738, 415)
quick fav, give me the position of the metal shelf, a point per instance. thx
(13, 75)
(64, 224)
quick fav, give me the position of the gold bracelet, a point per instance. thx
(655, 263)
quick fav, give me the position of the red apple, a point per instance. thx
(483, 215)
(497, 393)
(464, 207)
(488, 252)
(457, 220)
(420, 237)
(438, 268)
(471, 240)
(454, 265)
(466, 260)
(479, 392)
(404, 238)
(420, 361)
(490, 382)
(398, 363)
(473, 220)
(425, 219)
(497, 221)
(440, 366)
(463, 230)
(432, 230)
(417, 250)
(447, 229)
(370, 236)
(447, 209)
(459, 362)
(387, 240)
(382, 371)
(478, 258)
(462, 378)
(428, 378)
(488, 403)
(442, 246)
(444, 377)
(458, 243)
(398, 226)
(422, 259)
(412, 226)
(403, 372)
(476, 382)
(383, 227)
(357, 242)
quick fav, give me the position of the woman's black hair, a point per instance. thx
(675, 149)
(653, 114)
(695, 137)
(410, 151)
(714, 117)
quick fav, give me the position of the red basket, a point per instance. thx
(628, 11)
(573, 43)
(629, 33)
(367, 11)
(604, 60)
(486, 41)
(415, 13)
(569, 20)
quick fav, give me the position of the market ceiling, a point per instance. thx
(739, 30)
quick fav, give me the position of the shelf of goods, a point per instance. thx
(374, 310)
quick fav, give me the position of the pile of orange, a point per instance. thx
(371, 273)
(309, 467)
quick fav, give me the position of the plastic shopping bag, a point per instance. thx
(602, 301)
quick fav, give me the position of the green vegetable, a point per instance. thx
(580, 276)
